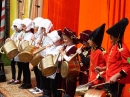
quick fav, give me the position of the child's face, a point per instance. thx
(24, 27)
(91, 43)
(35, 29)
(113, 39)
(43, 30)
(85, 43)
(15, 27)
(67, 40)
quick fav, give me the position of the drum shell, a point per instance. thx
(47, 65)
(23, 45)
(70, 69)
(95, 93)
(27, 54)
(36, 60)
(10, 49)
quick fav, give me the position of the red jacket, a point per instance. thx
(96, 59)
(117, 62)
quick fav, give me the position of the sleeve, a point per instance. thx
(43, 53)
(12, 36)
(85, 60)
(66, 57)
(70, 53)
(125, 54)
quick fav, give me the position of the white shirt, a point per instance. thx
(67, 58)
(37, 36)
(46, 41)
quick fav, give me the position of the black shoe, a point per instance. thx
(27, 86)
(44, 96)
(22, 86)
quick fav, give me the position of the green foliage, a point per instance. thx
(128, 59)
(5, 59)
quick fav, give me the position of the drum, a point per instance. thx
(48, 65)
(81, 89)
(36, 60)
(29, 53)
(95, 93)
(70, 69)
(23, 45)
(10, 49)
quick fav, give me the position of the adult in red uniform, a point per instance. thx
(84, 56)
(97, 55)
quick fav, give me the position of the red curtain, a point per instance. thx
(64, 13)
(95, 12)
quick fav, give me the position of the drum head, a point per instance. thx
(25, 56)
(64, 69)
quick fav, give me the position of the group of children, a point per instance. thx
(97, 65)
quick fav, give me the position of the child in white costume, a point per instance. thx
(27, 28)
(37, 42)
(16, 26)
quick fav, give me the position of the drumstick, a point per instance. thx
(99, 85)
(89, 82)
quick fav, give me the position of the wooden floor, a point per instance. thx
(13, 90)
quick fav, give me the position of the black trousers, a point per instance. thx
(39, 78)
(26, 73)
(13, 69)
(51, 86)
(115, 89)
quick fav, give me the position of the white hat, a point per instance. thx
(28, 23)
(47, 24)
(37, 21)
(17, 22)
(54, 36)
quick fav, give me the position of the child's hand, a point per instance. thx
(20, 38)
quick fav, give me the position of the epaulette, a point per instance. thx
(120, 48)
(103, 50)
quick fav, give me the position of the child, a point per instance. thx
(97, 55)
(84, 55)
(70, 40)
(36, 37)
(17, 32)
(51, 81)
(27, 28)
(118, 67)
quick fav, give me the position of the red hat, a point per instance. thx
(84, 35)
(71, 34)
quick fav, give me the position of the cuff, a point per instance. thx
(123, 73)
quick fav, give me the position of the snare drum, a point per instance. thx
(95, 93)
(70, 69)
